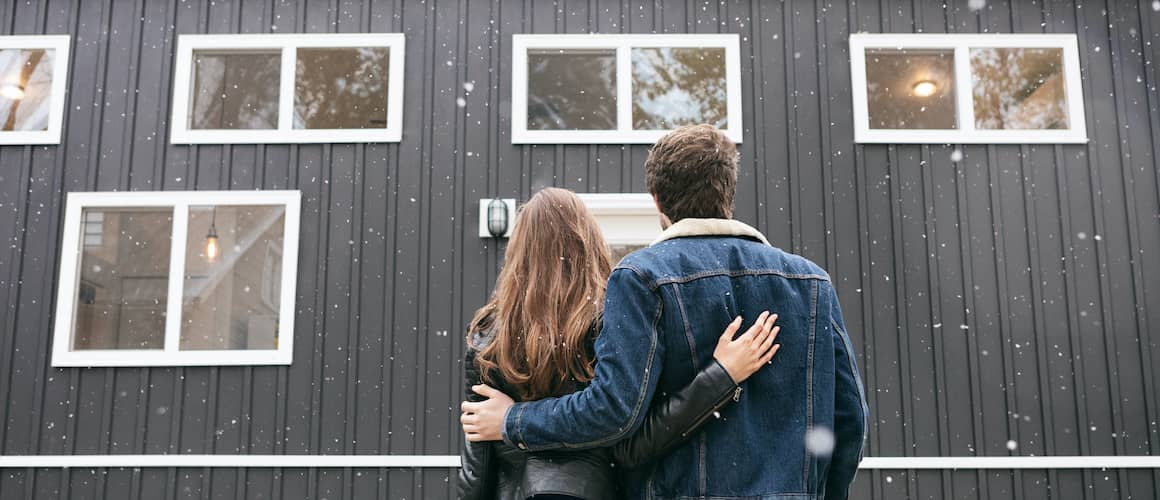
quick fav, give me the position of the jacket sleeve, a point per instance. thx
(674, 418)
(477, 473)
(629, 356)
(850, 409)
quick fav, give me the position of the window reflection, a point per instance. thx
(1018, 88)
(911, 88)
(235, 90)
(678, 86)
(572, 89)
(122, 295)
(619, 252)
(231, 300)
(25, 89)
(341, 88)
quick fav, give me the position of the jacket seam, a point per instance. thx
(810, 380)
(688, 332)
(734, 273)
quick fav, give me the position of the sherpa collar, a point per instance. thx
(710, 227)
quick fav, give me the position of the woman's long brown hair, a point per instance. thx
(547, 297)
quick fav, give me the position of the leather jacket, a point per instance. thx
(496, 470)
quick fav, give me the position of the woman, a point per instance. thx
(535, 339)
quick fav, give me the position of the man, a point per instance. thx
(798, 428)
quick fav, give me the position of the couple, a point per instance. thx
(627, 386)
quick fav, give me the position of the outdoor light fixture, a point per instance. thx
(211, 238)
(496, 216)
(925, 88)
(13, 91)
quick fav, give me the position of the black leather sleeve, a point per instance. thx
(672, 419)
(477, 475)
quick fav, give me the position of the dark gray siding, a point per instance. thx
(1010, 296)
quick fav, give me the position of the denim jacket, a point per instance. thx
(663, 309)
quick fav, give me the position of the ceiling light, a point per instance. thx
(924, 88)
(13, 91)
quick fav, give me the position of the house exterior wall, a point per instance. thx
(1008, 296)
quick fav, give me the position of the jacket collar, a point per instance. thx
(710, 227)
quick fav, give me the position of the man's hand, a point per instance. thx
(483, 421)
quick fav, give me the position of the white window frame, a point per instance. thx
(624, 218)
(285, 133)
(623, 44)
(964, 102)
(59, 44)
(170, 355)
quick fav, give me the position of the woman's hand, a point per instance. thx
(483, 421)
(752, 350)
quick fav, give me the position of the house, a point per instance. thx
(242, 237)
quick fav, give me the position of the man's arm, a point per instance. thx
(850, 410)
(629, 356)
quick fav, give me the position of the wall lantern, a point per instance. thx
(496, 217)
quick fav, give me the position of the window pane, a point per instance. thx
(230, 297)
(235, 90)
(678, 86)
(1018, 88)
(25, 88)
(911, 88)
(341, 88)
(572, 89)
(124, 279)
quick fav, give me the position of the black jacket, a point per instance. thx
(496, 470)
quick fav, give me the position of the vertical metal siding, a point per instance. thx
(984, 305)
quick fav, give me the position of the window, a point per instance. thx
(629, 221)
(177, 278)
(234, 89)
(33, 72)
(622, 89)
(948, 88)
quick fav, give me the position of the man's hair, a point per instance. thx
(692, 171)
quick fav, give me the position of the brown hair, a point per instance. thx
(548, 296)
(692, 171)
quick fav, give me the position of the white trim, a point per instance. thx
(624, 218)
(171, 355)
(966, 132)
(623, 44)
(180, 133)
(218, 460)
(1019, 462)
(59, 44)
(452, 461)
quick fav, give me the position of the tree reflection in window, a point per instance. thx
(337, 88)
(25, 88)
(235, 90)
(678, 86)
(572, 89)
(1018, 88)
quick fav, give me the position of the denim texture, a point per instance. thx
(665, 307)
